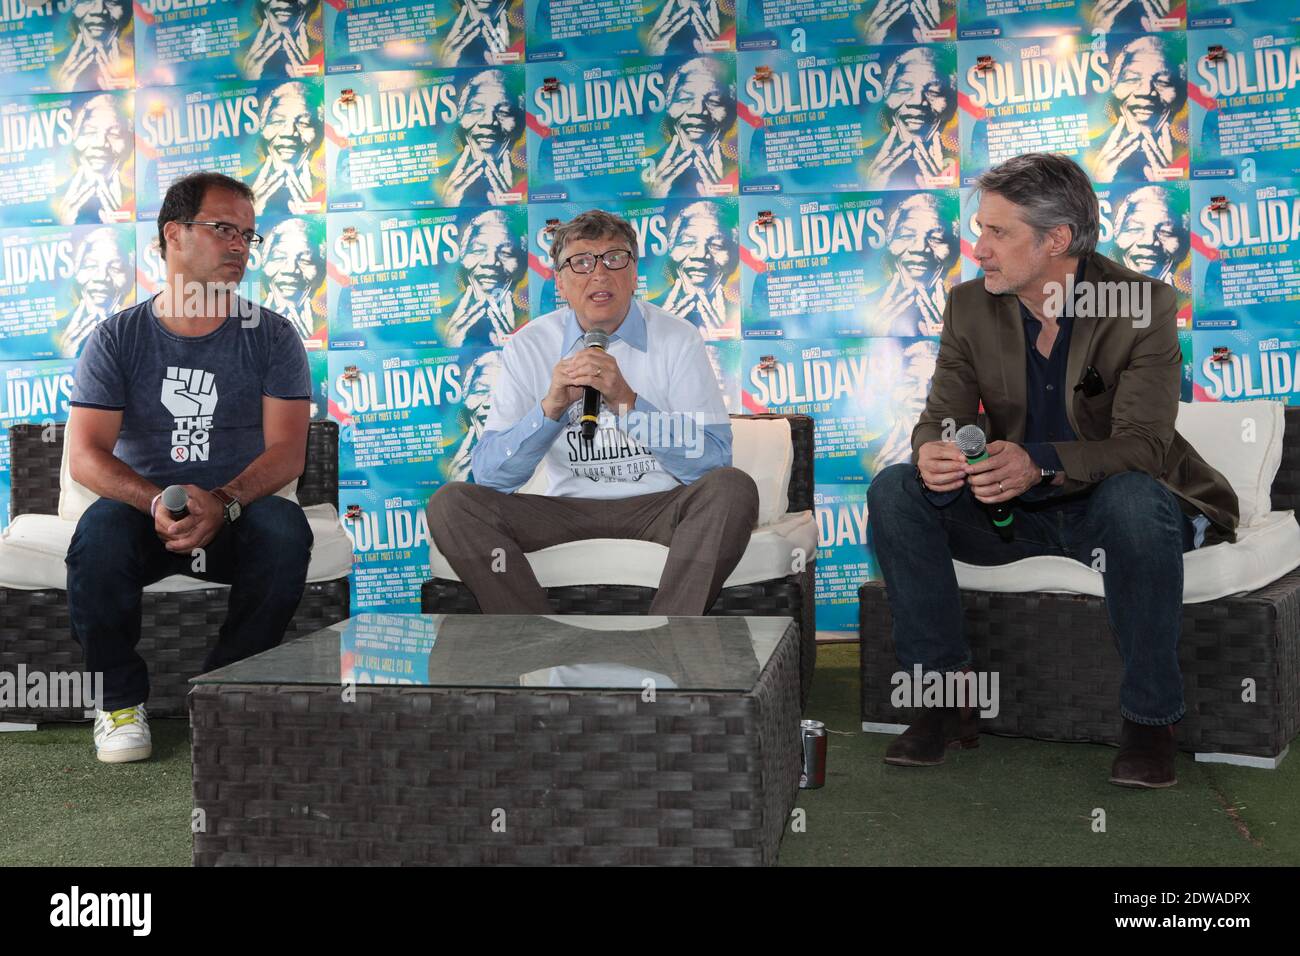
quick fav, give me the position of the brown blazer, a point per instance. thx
(1128, 427)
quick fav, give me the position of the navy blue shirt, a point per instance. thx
(191, 405)
(1046, 393)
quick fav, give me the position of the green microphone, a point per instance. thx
(971, 443)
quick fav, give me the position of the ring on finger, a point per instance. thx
(1001, 490)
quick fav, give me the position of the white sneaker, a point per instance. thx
(123, 735)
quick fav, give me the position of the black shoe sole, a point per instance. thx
(1142, 784)
(962, 743)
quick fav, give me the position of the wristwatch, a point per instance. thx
(1048, 474)
(229, 503)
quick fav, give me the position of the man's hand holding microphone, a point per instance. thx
(594, 368)
(996, 473)
(1007, 472)
(186, 517)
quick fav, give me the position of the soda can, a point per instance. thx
(814, 755)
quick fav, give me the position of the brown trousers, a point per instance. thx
(706, 526)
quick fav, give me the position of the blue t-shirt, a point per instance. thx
(191, 406)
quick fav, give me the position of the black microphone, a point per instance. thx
(175, 500)
(595, 339)
(970, 442)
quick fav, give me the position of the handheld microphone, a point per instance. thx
(971, 443)
(174, 499)
(595, 339)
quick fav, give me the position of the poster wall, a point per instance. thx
(877, 118)
(801, 178)
(62, 46)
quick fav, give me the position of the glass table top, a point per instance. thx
(486, 650)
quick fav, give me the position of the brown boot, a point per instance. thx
(934, 730)
(1146, 757)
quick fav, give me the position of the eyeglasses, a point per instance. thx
(227, 231)
(585, 262)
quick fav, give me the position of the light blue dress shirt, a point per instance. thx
(506, 459)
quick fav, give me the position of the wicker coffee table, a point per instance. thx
(481, 739)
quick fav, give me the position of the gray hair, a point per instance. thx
(593, 224)
(1051, 190)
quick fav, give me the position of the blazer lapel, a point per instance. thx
(1011, 348)
(1081, 344)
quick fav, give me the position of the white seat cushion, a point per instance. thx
(760, 447)
(1262, 553)
(1243, 442)
(33, 547)
(774, 551)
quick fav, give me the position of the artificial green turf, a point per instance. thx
(1008, 802)
(61, 806)
(1026, 802)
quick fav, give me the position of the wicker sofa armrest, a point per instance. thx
(1285, 491)
(35, 458)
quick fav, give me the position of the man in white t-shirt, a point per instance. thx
(658, 467)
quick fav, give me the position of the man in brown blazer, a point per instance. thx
(1076, 362)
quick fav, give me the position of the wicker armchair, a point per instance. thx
(1062, 674)
(787, 596)
(178, 626)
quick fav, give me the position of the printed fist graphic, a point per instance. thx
(189, 392)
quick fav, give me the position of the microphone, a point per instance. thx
(970, 442)
(174, 499)
(595, 339)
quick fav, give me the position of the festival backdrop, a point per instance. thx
(799, 175)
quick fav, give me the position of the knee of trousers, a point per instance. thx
(1133, 501)
(892, 489)
(734, 488)
(106, 537)
(276, 523)
(452, 503)
(452, 499)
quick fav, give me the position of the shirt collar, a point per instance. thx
(632, 330)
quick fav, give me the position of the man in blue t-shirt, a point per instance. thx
(199, 388)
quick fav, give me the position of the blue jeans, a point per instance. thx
(1130, 516)
(115, 553)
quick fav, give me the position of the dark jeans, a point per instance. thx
(1134, 520)
(115, 553)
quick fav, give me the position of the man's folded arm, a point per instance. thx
(517, 433)
(504, 460)
(92, 434)
(684, 447)
(1144, 409)
(95, 415)
(285, 425)
(693, 436)
(1043, 454)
